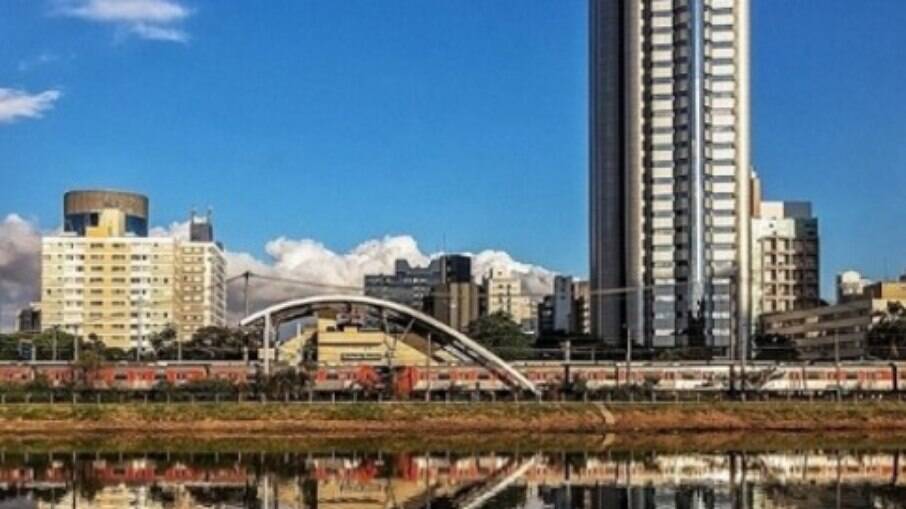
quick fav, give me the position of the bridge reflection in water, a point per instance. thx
(442, 479)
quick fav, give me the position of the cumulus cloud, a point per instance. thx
(315, 269)
(177, 229)
(292, 268)
(149, 19)
(16, 104)
(20, 272)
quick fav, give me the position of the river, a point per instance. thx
(386, 472)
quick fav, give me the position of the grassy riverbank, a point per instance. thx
(452, 418)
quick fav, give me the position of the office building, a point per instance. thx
(506, 294)
(841, 330)
(102, 279)
(456, 304)
(567, 310)
(785, 257)
(850, 285)
(669, 172)
(564, 305)
(411, 286)
(545, 310)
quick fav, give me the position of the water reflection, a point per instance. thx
(446, 479)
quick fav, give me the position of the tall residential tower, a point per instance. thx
(103, 277)
(669, 172)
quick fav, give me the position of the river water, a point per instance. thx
(383, 473)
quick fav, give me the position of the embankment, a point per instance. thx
(453, 418)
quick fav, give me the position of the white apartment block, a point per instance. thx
(785, 261)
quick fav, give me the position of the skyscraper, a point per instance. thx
(669, 172)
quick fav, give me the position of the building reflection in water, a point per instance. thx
(438, 480)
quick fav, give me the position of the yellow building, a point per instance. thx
(346, 344)
(505, 294)
(121, 288)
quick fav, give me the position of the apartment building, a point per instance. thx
(785, 257)
(669, 172)
(506, 294)
(101, 278)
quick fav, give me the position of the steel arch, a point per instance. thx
(470, 346)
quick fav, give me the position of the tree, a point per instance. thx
(500, 334)
(887, 336)
(163, 343)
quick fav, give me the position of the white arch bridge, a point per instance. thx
(397, 320)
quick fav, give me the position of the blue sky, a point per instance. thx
(461, 123)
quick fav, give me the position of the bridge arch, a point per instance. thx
(466, 347)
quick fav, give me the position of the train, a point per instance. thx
(760, 378)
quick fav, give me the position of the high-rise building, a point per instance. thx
(564, 305)
(582, 307)
(456, 304)
(411, 286)
(785, 261)
(103, 278)
(669, 172)
(505, 294)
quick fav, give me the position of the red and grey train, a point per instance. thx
(686, 377)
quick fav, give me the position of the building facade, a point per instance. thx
(456, 304)
(582, 307)
(411, 286)
(29, 318)
(564, 305)
(505, 294)
(669, 172)
(110, 284)
(837, 331)
(785, 257)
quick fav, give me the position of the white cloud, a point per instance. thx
(27, 64)
(178, 229)
(20, 273)
(149, 19)
(16, 104)
(302, 260)
(310, 261)
(159, 33)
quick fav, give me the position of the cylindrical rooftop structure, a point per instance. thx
(81, 209)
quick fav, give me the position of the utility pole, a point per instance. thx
(837, 359)
(628, 356)
(138, 350)
(247, 275)
(428, 370)
(54, 344)
(268, 326)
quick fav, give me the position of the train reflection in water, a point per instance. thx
(444, 479)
